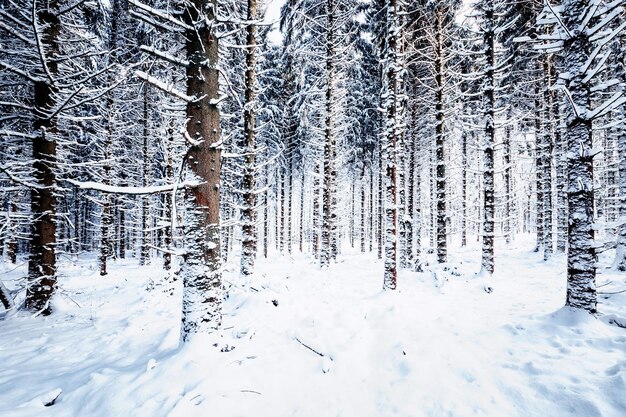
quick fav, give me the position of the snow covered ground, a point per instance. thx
(303, 342)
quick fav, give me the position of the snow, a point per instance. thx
(300, 341)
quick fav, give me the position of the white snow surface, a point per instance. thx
(438, 346)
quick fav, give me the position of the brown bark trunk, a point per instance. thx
(42, 261)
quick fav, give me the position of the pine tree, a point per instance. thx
(581, 30)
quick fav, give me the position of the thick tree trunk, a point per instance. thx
(392, 132)
(581, 255)
(42, 260)
(202, 262)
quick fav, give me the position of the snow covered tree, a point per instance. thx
(48, 51)
(198, 22)
(581, 31)
(394, 104)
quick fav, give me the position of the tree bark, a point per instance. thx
(248, 243)
(489, 144)
(202, 262)
(42, 261)
(581, 255)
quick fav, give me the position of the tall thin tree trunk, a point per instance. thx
(266, 210)
(410, 198)
(372, 222)
(539, 171)
(144, 251)
(508, 197)
(489, 140)
(548, 146)
(363, 226)
(380, 223)
(12, 242)
(169, 197)
(620, 251)
(328, 252)
(301, 222)
(441, 239)
(464, 168)
(248, 242)
(561, 178)
(316, 210)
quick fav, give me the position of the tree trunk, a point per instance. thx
(201, 268)
(620, 251)
(301, 222)
(144, 251)
(248, 243)
(488, 145)
(363, 226)
(13, 229)
(561, 179)
(539, 171)
(508, 197)
(441, 240)
(169, 198)
(581, 255)
(372, 222)
(548, 146)
(42, 260)
(464, 167)
(392, 137)
(328, 252)
(316, 211)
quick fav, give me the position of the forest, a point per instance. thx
(313, 207)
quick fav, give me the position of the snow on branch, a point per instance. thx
(18, 71)
(166, 87)
(163, 55)
(160, 14)
(110, 189)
